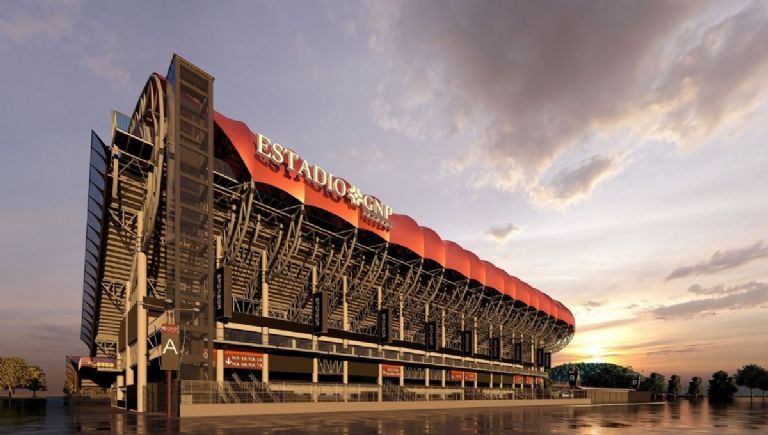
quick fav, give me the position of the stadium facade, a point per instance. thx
(223, 261)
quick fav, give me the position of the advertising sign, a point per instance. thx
(384, 323)
(235, 359)
(529, 380)
(456, 376)
(518, 380)
(470, 376)
(391, 371)
(466, 342)
(170, 346)
(320, 313)
(430, 330)
(222, 291)
(517, 357)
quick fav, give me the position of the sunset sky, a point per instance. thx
(613, 154)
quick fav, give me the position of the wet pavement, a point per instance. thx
(56, 417)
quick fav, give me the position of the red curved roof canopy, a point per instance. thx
(434, 248)
(476, 268)
(534, 296)
(494, 277)
(523, 291)
(243, 140)
(510, 287)
(456, 258)
(407, 233)
(319, 198)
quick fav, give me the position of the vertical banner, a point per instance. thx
(384, 324)
(636, 382)
(430, 330)
(517, 357)
(466, 342)
(320, 313)
(170, 347)
(495, 348)
(540, 357)
(548, 360)
(573, 377)
(222, 291)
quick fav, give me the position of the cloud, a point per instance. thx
(573, 184)
(95, 46)
(743, 296)
(607, 325)
(722, 260)
(668, 351)
(529, 88)
(45, 20)
(502, 233)
(593, 304)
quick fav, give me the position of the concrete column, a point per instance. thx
(380, 378)
(141, 329)
(402, 376)
(380, 382)
(219, 353)
(402, 321)
(442, 344)
(315, 377)
(474, 335)
(129, 373)
(120, 386)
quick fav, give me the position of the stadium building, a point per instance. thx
(223, 268)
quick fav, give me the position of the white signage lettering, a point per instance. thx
(170, 345)
(373, 210)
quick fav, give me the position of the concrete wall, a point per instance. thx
(217, 410)
(604, 396)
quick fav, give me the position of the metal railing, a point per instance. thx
(253, 391)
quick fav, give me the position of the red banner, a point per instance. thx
(390, 370)
(540, 382)
(470, 376)
(234, 359)
(457, 376)
(518, 380)
(529, 380)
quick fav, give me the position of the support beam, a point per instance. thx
(141, 319)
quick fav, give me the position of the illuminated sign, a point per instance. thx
(234, 359)
(390, 371)
(373, 210)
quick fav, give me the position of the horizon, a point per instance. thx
(611, 156)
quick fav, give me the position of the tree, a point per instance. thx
(695, 387)
(748, 376)
(654, 383)
(721, 386)
(673, 386)
(608, 376)
(762, 384)
(13, 374)
(36, 380)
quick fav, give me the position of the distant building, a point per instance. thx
(277, 279)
